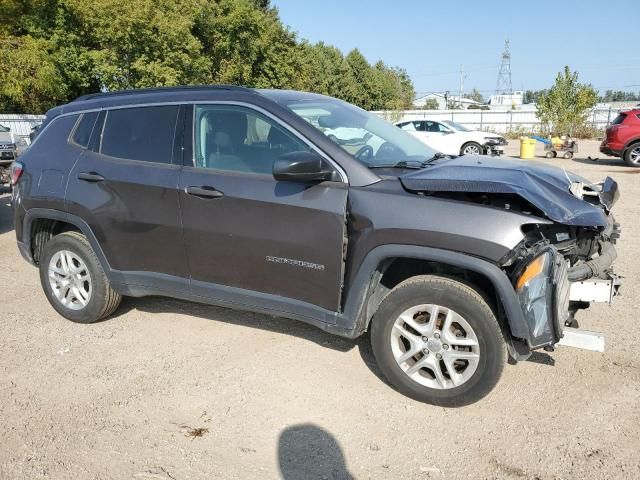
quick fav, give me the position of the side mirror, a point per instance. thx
(448, 132)
(305, 167)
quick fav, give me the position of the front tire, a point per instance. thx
(73, 279)
(471, 148)
(437, 341)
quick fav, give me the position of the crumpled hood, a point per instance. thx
(544, 186)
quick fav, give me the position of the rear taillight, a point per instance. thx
(16, 172)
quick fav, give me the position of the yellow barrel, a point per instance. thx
(527, 147)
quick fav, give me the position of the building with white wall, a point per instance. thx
(442, 100)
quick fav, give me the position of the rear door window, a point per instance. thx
(408, 126)
(143, 133)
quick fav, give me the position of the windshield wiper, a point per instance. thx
(413, 164)
(402, 164)
(437, 156)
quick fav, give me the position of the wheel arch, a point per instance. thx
(630, 143)
(42, 224)
(387, 265)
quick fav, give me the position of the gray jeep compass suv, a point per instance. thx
(304, 206)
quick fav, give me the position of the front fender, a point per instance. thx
(369, 273)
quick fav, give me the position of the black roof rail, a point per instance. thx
(138, 91)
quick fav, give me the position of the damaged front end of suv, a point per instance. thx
(565, 258)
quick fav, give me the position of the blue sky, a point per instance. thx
(432, 39)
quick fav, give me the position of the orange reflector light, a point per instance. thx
(532, 270)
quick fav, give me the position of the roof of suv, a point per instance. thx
(176, 94)
(161, 90)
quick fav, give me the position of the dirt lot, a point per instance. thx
(172, 390)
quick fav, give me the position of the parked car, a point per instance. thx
(623, 138)
(451, 138)
(8, 152)
(237, 197)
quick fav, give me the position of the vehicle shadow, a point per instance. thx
(611, 162)
(6, 211)
(237, 317)
(366, 354)
(308, 451)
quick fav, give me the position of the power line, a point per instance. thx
(456, 72)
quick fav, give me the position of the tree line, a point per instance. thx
(533, 96)
(52, 51)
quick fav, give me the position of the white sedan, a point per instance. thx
(452, 138)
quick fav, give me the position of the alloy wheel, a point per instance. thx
(435, 346)
(471, 150)
(70, 280)
(634, 155)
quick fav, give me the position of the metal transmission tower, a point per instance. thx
(503, 85)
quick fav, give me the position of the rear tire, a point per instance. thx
(73, 279)
(632, 155)
(439, 372)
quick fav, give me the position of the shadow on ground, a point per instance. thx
(611, 162)
(310, 452)
(237, 317)
(6, 211)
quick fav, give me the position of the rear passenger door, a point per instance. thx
(244, 229)
(124, 186)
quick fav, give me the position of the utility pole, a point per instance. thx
(461, 84)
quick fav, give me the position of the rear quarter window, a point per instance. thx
(619, 119)
(83, 129)
(143, 133)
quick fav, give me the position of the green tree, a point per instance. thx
(325, 71)
(29, 80)
(475, 95)
(431, 104)
(248, 45)
(564, 107)
(141, 44)
(56, 50)
(619, 96)
(532, 96)
(362, 75)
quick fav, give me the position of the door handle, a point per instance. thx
(206, 192)
(90, 177)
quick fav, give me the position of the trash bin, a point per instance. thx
(527, 147)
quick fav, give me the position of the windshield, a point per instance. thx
(364, 135)
(457, 126)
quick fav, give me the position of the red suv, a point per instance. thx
(623, 138)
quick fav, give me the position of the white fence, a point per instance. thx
(499, 121)
(21, 125)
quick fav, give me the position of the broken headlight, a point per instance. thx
(543, 291)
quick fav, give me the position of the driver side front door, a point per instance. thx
(246, 231)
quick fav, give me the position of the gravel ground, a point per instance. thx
(172, 390)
